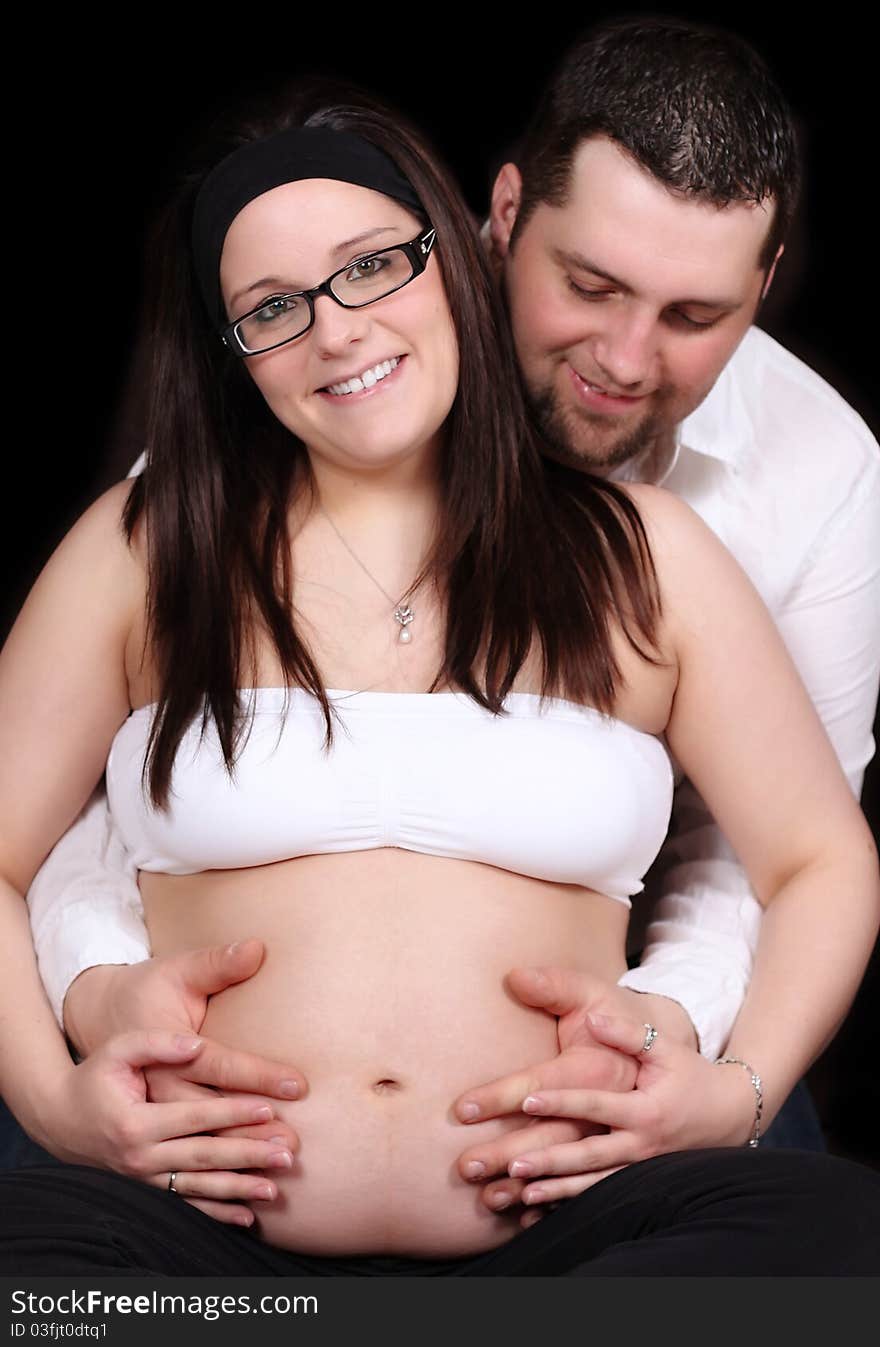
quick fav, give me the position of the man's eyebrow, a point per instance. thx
(278, 282)
(581, 263)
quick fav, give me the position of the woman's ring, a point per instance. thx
(650, 1035)
(171, 1177)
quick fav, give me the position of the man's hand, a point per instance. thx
(171, 991)
(583, 1063)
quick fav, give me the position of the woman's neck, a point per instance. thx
(386, 520)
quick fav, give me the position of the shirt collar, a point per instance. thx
(721, 427)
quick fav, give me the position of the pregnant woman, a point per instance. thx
(375, 683)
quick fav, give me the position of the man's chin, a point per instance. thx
(590, 443)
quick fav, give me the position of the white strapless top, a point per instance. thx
(556, 791)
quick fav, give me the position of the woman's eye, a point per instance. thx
(276, 308)
(366, 269)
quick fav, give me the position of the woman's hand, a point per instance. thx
(100, 1108)
(681, 1101)
(172, 993)
(583, 1063)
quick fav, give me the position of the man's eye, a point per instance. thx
(695, 323)
(276, 308)
(585, 292)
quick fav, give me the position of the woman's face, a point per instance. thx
(292, 238)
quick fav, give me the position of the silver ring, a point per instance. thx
(650, 1035)
(171, 1177)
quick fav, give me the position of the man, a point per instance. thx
(634, 237)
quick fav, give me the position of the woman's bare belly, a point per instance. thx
(383, 983)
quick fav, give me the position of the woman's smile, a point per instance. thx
(375, 378)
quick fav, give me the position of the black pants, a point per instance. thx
(696, 1213)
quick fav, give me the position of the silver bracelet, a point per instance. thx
(759, 1095)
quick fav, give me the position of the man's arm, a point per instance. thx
(700, 944)
(85, 905)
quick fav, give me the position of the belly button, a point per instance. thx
(386, 1086)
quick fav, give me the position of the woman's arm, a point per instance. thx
(64, 693)
(745, 732)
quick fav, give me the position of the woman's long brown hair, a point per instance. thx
(529, 554)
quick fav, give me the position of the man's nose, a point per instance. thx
(626, 350)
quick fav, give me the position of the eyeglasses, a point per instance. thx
(283, 318)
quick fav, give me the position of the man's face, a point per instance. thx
(626, 302)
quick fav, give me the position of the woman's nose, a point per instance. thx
(335, 327)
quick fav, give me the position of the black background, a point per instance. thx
(94, 132)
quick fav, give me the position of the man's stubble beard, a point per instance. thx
(562, 441)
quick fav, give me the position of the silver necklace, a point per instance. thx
(402, 613)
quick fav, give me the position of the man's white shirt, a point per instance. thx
(788, 476)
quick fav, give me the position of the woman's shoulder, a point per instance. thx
(675, 531)
(97, 553)
(695, 571)
(101, 524)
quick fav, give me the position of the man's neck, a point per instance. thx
(652, 464)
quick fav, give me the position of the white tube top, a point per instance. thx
(560, 793)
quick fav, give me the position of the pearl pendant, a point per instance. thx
(404, 614)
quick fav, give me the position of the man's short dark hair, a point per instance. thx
(695, 106)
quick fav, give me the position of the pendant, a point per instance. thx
(404, 615)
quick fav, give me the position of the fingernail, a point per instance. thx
(186, 1042)
(265, 1191)
(521, 1169)
(533, 1103)
(283, 1159)
(598, 1020)
(263, 1114)
(531, 1195)
(500, 1200)
(467, 1112)
(474, 1169)
(288, 1089)
(531, 1218)
(246, 1220)
(234, 947)
(278, 1141)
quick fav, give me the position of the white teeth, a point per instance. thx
(366, 380)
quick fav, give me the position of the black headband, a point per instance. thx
(288, 156)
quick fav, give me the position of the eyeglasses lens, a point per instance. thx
(287, 316)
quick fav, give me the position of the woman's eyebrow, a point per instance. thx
(275, 281)
(362, 238)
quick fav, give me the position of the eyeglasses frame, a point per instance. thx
(418, 250)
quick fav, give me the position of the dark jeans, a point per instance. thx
(732, 1212)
